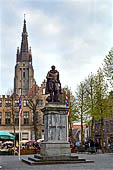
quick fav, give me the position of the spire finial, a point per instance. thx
(24, 19)
(24, 43)
(24, 16)
(24, 28)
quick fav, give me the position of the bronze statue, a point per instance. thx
(53, 86)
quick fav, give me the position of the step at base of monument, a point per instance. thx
(36, 161)
(38, 156)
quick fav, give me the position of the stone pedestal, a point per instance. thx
(55, 149)
(56, 131)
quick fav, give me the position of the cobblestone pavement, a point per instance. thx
(102, 162)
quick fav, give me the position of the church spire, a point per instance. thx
(24, 28)
(24, 43)
(24, 54)
(24, 72)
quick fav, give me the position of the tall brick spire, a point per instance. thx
(24, 53)
(24, 72)
(24, 43)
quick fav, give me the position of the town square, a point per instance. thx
(56, 84)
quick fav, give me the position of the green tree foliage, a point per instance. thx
(110, 99)
(90, 100)
(82, 110)
(101, 98)
(108, 66)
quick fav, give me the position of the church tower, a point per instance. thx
(24, 73)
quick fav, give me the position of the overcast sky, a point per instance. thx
(73, 35)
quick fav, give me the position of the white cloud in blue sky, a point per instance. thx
(74, 35)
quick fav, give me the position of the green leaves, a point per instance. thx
(108, 67)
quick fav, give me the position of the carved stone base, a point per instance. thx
(55, 131)
(55, 149)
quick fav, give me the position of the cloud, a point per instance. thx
(40, 21)
(51, 28)
(74, 35)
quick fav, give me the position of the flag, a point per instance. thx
(67, 105)
(20, 108)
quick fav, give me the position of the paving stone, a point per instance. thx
(102, 162)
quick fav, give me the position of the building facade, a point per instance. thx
(9, 116)
(24, 85)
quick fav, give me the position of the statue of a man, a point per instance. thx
(53, 86)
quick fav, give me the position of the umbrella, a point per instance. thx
(6, 136)
(23, 141)
(8, 142)
(40, 140)
(31, 141)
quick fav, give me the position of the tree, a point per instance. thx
(101, 104)
(34, 97)
(90, 102)
(108, 66)
(82, 108)
(72, 109)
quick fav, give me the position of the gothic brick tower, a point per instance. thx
(24, 73)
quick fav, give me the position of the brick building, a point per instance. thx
(24, 85)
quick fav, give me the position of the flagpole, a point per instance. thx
(67, 128)
(67, 120)
(19, 136)
(19, 128)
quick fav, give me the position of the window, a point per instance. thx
(8, 103)
(23, 74)
(16, 118)
(25, 136)
(43, 91)
(26, 118)
(43, 119)
(0, 117)
(16, 103)
(25, 103)
(0, 103)
(7, 118)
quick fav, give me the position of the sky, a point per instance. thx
(73, 35)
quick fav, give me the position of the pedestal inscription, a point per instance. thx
(55, 138)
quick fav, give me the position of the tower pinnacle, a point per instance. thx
(24, 43)
(24, 28)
